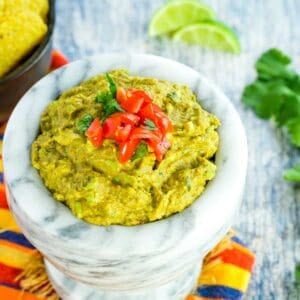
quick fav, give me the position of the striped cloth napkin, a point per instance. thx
(225, 275)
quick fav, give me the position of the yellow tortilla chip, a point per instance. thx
(19, 34)
(41, 7)
(1, 7)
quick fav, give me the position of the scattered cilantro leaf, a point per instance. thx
(149, 125)
(289, 109)
(84, 123)
(274, 64)
(140, 152)
(173, 96)
(293, 174)
(112, 85)
(293, 127)
(297, 274)
(264, 98)
(276, 94)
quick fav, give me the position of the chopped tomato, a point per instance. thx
(110, 126)
(95, 133)
(160, 148)
(132, 99)
(121, 94)
(117, 120)
(147, 112)
(127, 149)
(122, 133)
(142, 120)
(58, 60)
(126, 118)
(139, 94)
(163, 123)
(143, 133)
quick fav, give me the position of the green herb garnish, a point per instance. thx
(108, 99)
(275, 94)
(297, 274)
(140, 152)
(149, 125)
(292, 174)
(84, 123)
(112, 85)
(173, 96)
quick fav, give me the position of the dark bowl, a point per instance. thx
(18, 81)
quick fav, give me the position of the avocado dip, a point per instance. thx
(93, 183)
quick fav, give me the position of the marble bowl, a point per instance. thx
(159, 260)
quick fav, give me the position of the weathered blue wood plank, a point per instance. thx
(269, 218)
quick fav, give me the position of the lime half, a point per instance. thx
(210, 34)
(176, 14)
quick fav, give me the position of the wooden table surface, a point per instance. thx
(269, 220)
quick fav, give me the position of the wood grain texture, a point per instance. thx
(269, 220)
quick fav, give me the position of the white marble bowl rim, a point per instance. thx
(195, 226)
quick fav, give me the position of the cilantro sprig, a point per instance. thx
(275, 94)
(108, 99)
(84, 123)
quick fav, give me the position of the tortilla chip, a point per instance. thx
(41, 7)
(19, 34)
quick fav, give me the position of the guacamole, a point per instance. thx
(95, 185)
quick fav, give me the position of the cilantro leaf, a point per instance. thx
(264, 98)
(84, 123)
(140, 152)
(110, 105)
(293, 128)
(297, 274)
(112, 85)
(274, 64)
(103, 97)
(289, 109)
(293, 174)
(276, 94)
(149, 125)
(173, 96)
(108, 99)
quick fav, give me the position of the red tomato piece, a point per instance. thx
(121, 94)
(160, 148)
(132, 105)
(58, 60)
(122, 133)
(143, 133)
(126, 118)
(132, 99)
(163, 123)
(147, 112)
(110, 126)
(136, 94)
(127, 149)
(95, 133)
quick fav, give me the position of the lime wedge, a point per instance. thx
(176, 14)
(210, 34)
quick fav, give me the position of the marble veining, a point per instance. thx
(117, 257)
